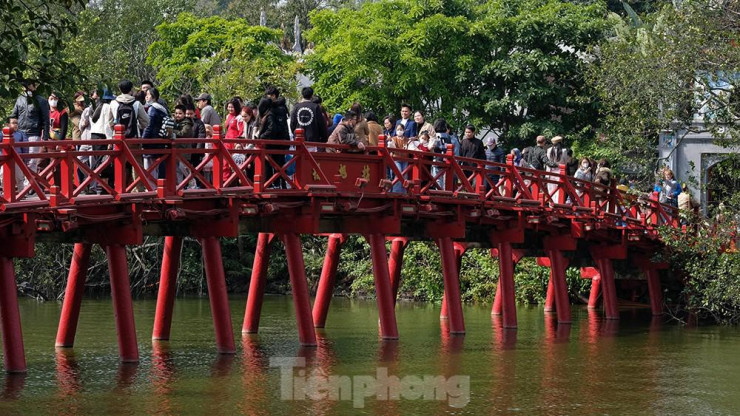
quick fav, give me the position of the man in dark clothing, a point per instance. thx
(183, 130)
(32, 112)
(309, 116)
(199, 132)
(274, 126)
(536, 157)
(495, 154)
(471, 147)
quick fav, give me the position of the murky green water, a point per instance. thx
(636, 366)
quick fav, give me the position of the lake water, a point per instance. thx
(637, 365)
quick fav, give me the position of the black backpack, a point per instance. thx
(126, 116)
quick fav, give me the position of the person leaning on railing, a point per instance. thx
(345, 134)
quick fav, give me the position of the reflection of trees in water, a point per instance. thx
(723, 184)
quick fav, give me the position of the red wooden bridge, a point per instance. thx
(386, 194)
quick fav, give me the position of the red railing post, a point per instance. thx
(119, 159)
(73, 295)
(509, 181)
(300, 147)
(561, 184)
(260, 163)
(218, 158)
(449, 176)
(416, 162)
(9, 179)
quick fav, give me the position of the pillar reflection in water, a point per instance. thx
(320, 363)
(503, 363)
(162, 377)
(555, 348)
(254, 378)
(67, 372)
(14, 384)
(388, 355)
(219, 390)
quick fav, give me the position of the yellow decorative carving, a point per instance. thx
(315, 175)
(343, 171)
(366, 172)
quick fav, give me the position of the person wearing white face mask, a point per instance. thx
(58, 118)
(584, 173)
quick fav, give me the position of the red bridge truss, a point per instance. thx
(282, 192)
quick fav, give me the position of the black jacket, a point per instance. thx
(275, 123)
(473, 148)
(33, 115)
(309, 116)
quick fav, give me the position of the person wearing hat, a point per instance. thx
(32, 114)
(557, 155)
(75, 116)
(102, 122)
(207, 114)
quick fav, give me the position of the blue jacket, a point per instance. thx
(156, 114)
(410, 128)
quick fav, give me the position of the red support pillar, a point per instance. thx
(73, 295)
(559, 285)
(326, 282)
(450, 271)
(217, 295)
(383, 290)
(609, 290)
(167, 288)
(257, 283)
(395, 263)
(10, 319)
(297, 270)
(506, 283)
(460, 249)
(655, 291)
(122, 304)
(550, 297)
(593, 297)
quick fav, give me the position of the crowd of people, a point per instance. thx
(143, 113)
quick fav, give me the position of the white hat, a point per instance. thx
(556, 139)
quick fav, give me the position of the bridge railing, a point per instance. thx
(121, 168)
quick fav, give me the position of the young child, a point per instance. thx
(423, 143)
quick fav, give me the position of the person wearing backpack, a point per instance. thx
(127, 111)
(159, 118)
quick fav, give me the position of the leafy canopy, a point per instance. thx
(224, 57)
(514, 65)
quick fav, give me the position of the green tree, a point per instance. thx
(656, 73)
(224, 57)
(516, 66)
(114, 36)
(31, 43)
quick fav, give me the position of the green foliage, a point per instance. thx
(224, 57)
(31, 43)
(512, 65)
(710, 269)
(654, 75)
(113, 36)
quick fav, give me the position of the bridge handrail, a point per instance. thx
(409, 173)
